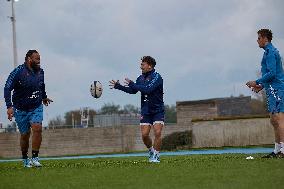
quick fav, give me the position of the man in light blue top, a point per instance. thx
(272, 81)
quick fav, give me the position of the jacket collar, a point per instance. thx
(148, 73)
(268, 46)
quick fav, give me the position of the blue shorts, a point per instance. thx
(25, 119)
(151, 119)
(275, 100)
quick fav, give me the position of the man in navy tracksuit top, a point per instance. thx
(272, 81)
(150, 84)
(27, 84)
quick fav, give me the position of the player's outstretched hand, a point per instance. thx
(257, 88)
(254, 87)
(10, 113)
(47, 101)
(127, 81)
(112, 83)
(251, 84)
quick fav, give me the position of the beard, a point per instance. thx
(35, 66)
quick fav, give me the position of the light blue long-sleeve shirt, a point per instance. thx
(271, 69)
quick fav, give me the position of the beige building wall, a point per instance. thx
(238, 132)
(79, 141)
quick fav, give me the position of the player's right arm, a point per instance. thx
(9, 86)
(114, 84)
(271, 67)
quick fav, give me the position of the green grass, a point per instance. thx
(195, 171)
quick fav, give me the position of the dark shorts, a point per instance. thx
(275, 100)
(151, 119)
(25, 119)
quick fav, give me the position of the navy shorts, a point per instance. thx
(25, 119)
(151, 119)
(275, 100)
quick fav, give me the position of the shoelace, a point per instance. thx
(35, 158)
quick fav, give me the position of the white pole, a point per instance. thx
(13, 20)
(73, 123)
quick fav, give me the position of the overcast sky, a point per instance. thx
(203, 48)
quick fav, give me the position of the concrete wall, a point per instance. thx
(58, 142)
(77, 141)
(239, 132)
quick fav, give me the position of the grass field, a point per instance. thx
(194, 171)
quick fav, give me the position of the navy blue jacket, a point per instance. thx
(151, 87)
(28, 88)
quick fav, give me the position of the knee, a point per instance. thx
(37, 129)
(274, 122)
(158, 134)
(25, 136)
(145, 135)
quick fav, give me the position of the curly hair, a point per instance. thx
(265, 33)
(30, 53)
(150, 60)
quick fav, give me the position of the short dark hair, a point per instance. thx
(150, 60)
(30, 53)
(265, 33)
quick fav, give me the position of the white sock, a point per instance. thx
(281, 147)
(151, 149)
(157, 152)
(277, 147)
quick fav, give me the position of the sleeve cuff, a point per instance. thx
(117, 86)
(9, 106)
(44, 96)
(131, 84)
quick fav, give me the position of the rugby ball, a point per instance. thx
(96, 89)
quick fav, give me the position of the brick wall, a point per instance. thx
(212, 108)
(186, 112)
(234, 106)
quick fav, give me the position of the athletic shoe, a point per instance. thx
(271, 155)
(280, 155)
(151, 155)
(156, 158)
(27, 163)
(35, 162)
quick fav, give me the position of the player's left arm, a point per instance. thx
(271, 66)
(150, 87)
(45, 99)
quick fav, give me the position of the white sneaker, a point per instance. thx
(156, 158)
(35, 162)
(151, 155)
(27, 163)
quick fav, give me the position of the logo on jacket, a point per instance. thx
(145, 98)
(35, 95)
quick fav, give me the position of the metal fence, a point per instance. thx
(116, 120)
